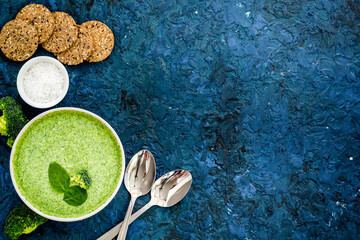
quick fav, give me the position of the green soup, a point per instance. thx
(77, 141)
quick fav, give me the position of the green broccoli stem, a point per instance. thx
(29, 229)
(3, 129)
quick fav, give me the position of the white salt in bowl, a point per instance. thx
(42, 82)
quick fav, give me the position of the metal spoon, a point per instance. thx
(167, 191)
(139, 177)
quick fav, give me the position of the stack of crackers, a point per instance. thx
(58, 33)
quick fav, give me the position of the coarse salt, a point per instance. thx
(43, 82)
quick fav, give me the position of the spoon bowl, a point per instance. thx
(170, 188)
(140, 173)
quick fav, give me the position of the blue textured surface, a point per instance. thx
(258, 99)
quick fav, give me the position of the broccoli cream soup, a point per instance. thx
(76, 141)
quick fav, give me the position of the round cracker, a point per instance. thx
(78, 52)
(103, 40)
(18, 40)
(64, 35)
(42, 19)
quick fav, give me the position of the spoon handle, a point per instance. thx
(115, 230)
(125, 225)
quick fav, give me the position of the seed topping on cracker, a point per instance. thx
(18, 40)
(103, 40)
(42, 19)
(64, 35)
(78, 52)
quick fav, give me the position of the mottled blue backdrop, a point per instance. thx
(258, 99)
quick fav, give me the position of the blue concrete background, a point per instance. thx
(258, 99)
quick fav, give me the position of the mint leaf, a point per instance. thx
(75, 196)
(59, 178)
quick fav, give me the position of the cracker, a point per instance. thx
(42, 19)
(64, 35)
(103, 40)
(18, 40)
(78, 52)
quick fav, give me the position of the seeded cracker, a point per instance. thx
(18, 40)
(78, 52)
(103, 40)
(64, 35)
(42, 19)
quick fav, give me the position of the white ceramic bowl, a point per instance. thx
(25, 68)
(59, 218)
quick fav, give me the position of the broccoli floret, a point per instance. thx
(12, 119)
(82, 179)
(22, 220)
